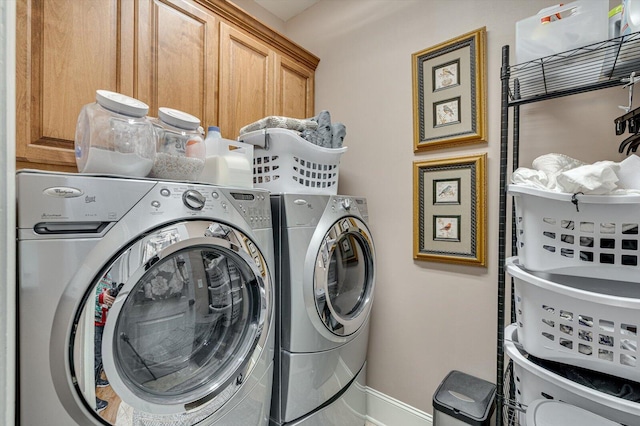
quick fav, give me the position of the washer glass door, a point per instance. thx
(178, 322)
(344, 276)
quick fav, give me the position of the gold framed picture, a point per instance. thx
(449, 210)
(449, 92)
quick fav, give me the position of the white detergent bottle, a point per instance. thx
(239, 163)
(210, 172)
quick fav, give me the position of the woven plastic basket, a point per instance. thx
(584, 235)
(586, 322)
(534, 382)
(283, 162)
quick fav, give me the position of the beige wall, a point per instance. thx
(251, 7)
(430, 318)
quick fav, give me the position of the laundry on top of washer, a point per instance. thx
(327, 135)
(278, 122)
(318, 130)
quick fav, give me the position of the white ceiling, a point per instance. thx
(286, 9)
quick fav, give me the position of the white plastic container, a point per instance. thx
(560, 28)
(586, 322)
(113, 135)
(599, 237)
(284, 162)
(227, 162)
(534, 382)
(180, 146)
(630, 18)
(209, 170)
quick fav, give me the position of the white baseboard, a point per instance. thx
(383, 410)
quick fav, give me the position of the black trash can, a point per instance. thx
(462, 399)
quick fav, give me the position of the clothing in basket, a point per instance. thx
(561, 173)
(318, 130)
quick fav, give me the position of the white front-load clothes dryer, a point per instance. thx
(325, 277)
(175, 277)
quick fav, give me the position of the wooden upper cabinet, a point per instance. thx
(204, 57)
(294, 91)
(257, 81)
(247, 83)
(65, 50)
(177, 57)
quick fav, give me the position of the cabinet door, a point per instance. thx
(247, 86)
(161, 52)
(294, 97)
(65, 51)
(176, 57)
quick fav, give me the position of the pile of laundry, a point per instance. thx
(560, 173)
(610, 385)
(318, 130)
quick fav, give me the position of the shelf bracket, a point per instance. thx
(631, 115)
(630, 83)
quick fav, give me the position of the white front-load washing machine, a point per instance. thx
(325, 277)
(143, 302)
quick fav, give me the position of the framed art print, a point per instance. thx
(348, 252)
(446, 228)
(449, 92)
(449, 210)
(446, 75)
(446, 112)
(446, 191)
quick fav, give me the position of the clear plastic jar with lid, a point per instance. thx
(180, 146)
(113, 135)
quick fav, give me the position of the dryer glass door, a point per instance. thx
(344, 276)
(179, 321)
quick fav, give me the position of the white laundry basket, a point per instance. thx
(586, 322)
(584, 235)
(555, 413)
(284, 162)
(534, 382)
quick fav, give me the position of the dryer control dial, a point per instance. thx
(193, 199)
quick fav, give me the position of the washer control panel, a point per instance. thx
(208, 200)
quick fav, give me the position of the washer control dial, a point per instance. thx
(193, 199)
(346, 203)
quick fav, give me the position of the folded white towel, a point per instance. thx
(560, 173)
(274, 121)
(529, 177)
(545, 172)
(629, 173)
(555, 163)
(597, 178)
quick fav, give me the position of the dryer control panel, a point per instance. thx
(356, 206)
(307, 209)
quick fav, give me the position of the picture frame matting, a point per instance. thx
(450, 210)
